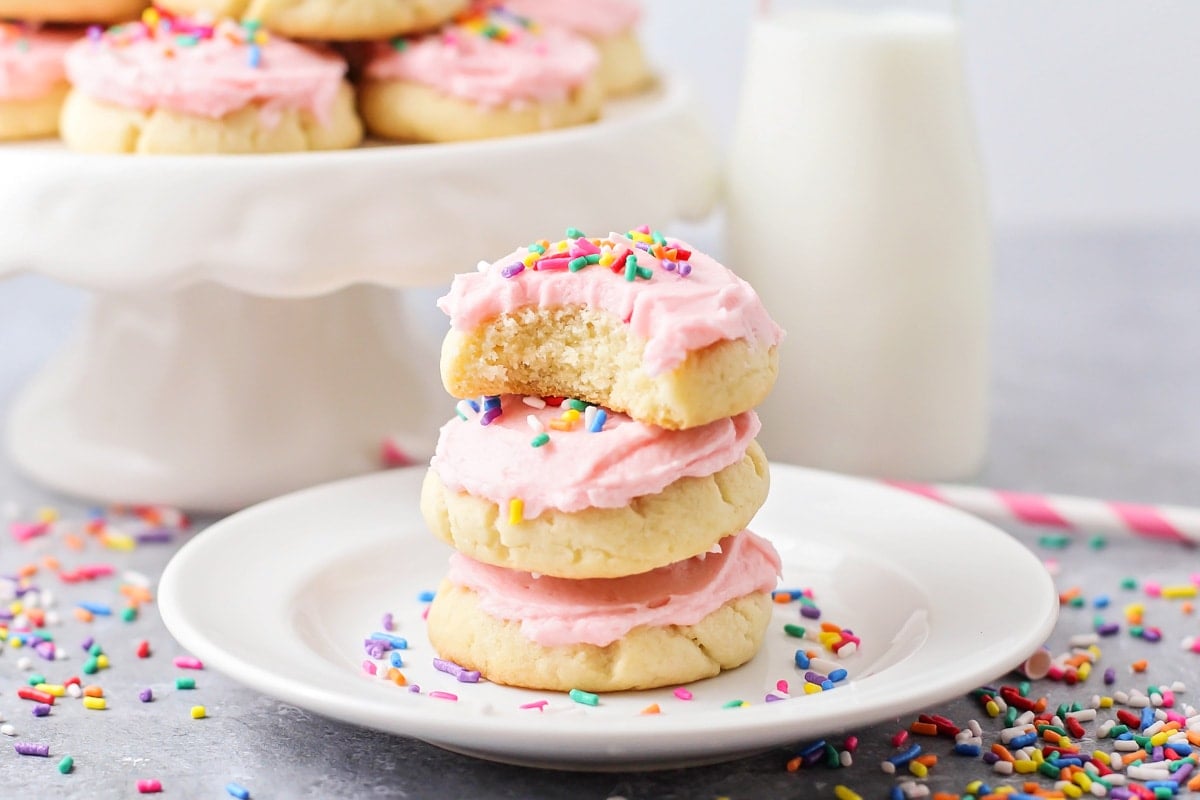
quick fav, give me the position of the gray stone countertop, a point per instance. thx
(1096, 393)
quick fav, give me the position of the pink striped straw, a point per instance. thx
(1081, 514)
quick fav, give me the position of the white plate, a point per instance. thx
(281, 596)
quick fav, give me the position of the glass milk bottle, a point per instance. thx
(856, 208)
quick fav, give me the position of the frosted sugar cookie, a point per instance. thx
(490, 74)
(610, 24)
(175, 86)
(338, 20)
(76, 11)
(676, 624)
(638, 323)
(579, 492)
(33, 80)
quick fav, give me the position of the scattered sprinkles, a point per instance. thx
(1141, 741)
(100, 593)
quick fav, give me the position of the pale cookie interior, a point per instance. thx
(33, 118)
(92, 126)
(589, 354)
(341, 20)
(685, 519)
(645, 658)
(408, 111)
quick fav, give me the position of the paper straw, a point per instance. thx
(1081, 514)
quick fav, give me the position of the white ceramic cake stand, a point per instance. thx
(245, 338)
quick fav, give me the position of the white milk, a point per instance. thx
(856, 208)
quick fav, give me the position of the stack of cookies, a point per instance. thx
(597, 493)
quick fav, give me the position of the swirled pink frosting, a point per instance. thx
(596, 19)
(525, 65)
(211, 77)
(31, 61)
(675, 315)
(599, 611)
(577, 469)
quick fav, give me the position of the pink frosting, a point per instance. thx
(599, 611)
(578, 469)
(596, 19)
(675, 315)
(522, 66)
(210, 78)
(31, 61)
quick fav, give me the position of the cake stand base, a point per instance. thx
(210, 399)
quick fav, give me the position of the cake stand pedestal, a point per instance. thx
(245, 337)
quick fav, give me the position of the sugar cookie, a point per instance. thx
(625, 499)
(611, 25)
(491, 74)
(674, 625)
(183, 87)
(638, 323)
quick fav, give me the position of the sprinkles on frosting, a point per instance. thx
(592, 417)
(172, 32)
(493, 22)
(634, 255)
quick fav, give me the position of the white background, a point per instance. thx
(1088, 110)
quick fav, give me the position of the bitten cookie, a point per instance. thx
(611, 25)
(637, 323)
(76, 11)
(337, 20)
(33, 80)
(490, 74)
(580, 495)
(674, 625)
(183, 87)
